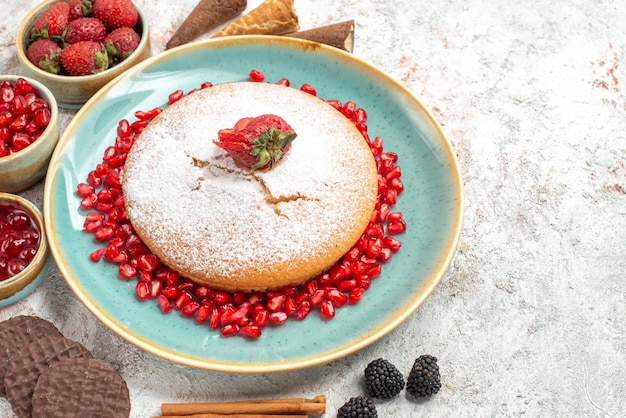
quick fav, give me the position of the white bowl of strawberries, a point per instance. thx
(75, 47)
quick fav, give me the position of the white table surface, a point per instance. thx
(530, 318)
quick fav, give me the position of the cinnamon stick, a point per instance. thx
(272, 17)
(207, 15)
(340, 35)
(232, 416)
(285, 406)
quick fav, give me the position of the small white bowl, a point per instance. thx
(74, 91)
(23, 283)
(23, 169)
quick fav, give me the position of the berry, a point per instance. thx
(79, 8)
(51, 22)
(45, 54)
(424, 379)
(383, 380)
(358, 407)
(84, 58)
(257, 142)
(115, 13)
(120, 43)
(85, 29)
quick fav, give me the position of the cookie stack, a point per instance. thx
(44, 374)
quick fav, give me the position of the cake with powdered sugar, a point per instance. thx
(234, 228)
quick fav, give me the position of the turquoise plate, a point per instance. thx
(432, 203)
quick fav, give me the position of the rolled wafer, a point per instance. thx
(272, 17)
(207, 15)
(340, 35)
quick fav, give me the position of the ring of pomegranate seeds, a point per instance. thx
(240, 313)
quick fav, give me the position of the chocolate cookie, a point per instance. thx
(79, 388)
(27, 365)
(16, 333)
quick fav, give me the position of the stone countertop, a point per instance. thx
(529, 319)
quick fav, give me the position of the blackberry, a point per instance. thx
(358, 407)
(383, 380)
(424, 379)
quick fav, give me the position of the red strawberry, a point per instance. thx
(85, 29)
(51, 22)
(257, 142)
(120, 43)
(115, 13)
(45, 54)
(79, 8)
(84, 58)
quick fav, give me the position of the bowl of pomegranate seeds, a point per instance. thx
(24, 254)
(77, 46)
(29, 131)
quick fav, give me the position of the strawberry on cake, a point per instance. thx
(250, 186)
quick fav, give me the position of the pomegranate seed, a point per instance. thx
(360, 116)
(126, 271)
(148, 262)
(214, 318)
(303, 310)
(206, 85)
(256, 76)
(96, 255)
(175, 96)
(189, 310)
(283, 82)
(84, 190)
(337, 297)
(397, 185)
(318, 297)
(277, 318)
(346, 285)
(392, 243)
(394, 216)
(201, 292)
(374, 248)
(103, 234)
(327, 309)
(276, 302)
(348, 109)
(260, 316)
(19, 141)
(307, 88)
(222, 298)
(290, 307)
(156, 287)
(374, 271)
(142, 291)
(250, 331)
(230, 330)
(394, 173)
(183, 299)
(391, 196)
(397, 227)
(384, 255)
(202, 314)
(164, 304)
(355, 295)
(335, 103)
(42, 117)
(171, 292)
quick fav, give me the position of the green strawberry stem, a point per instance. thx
(269, 147)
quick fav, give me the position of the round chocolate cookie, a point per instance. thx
(16, 333)
(79, 388)
(27, 365)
